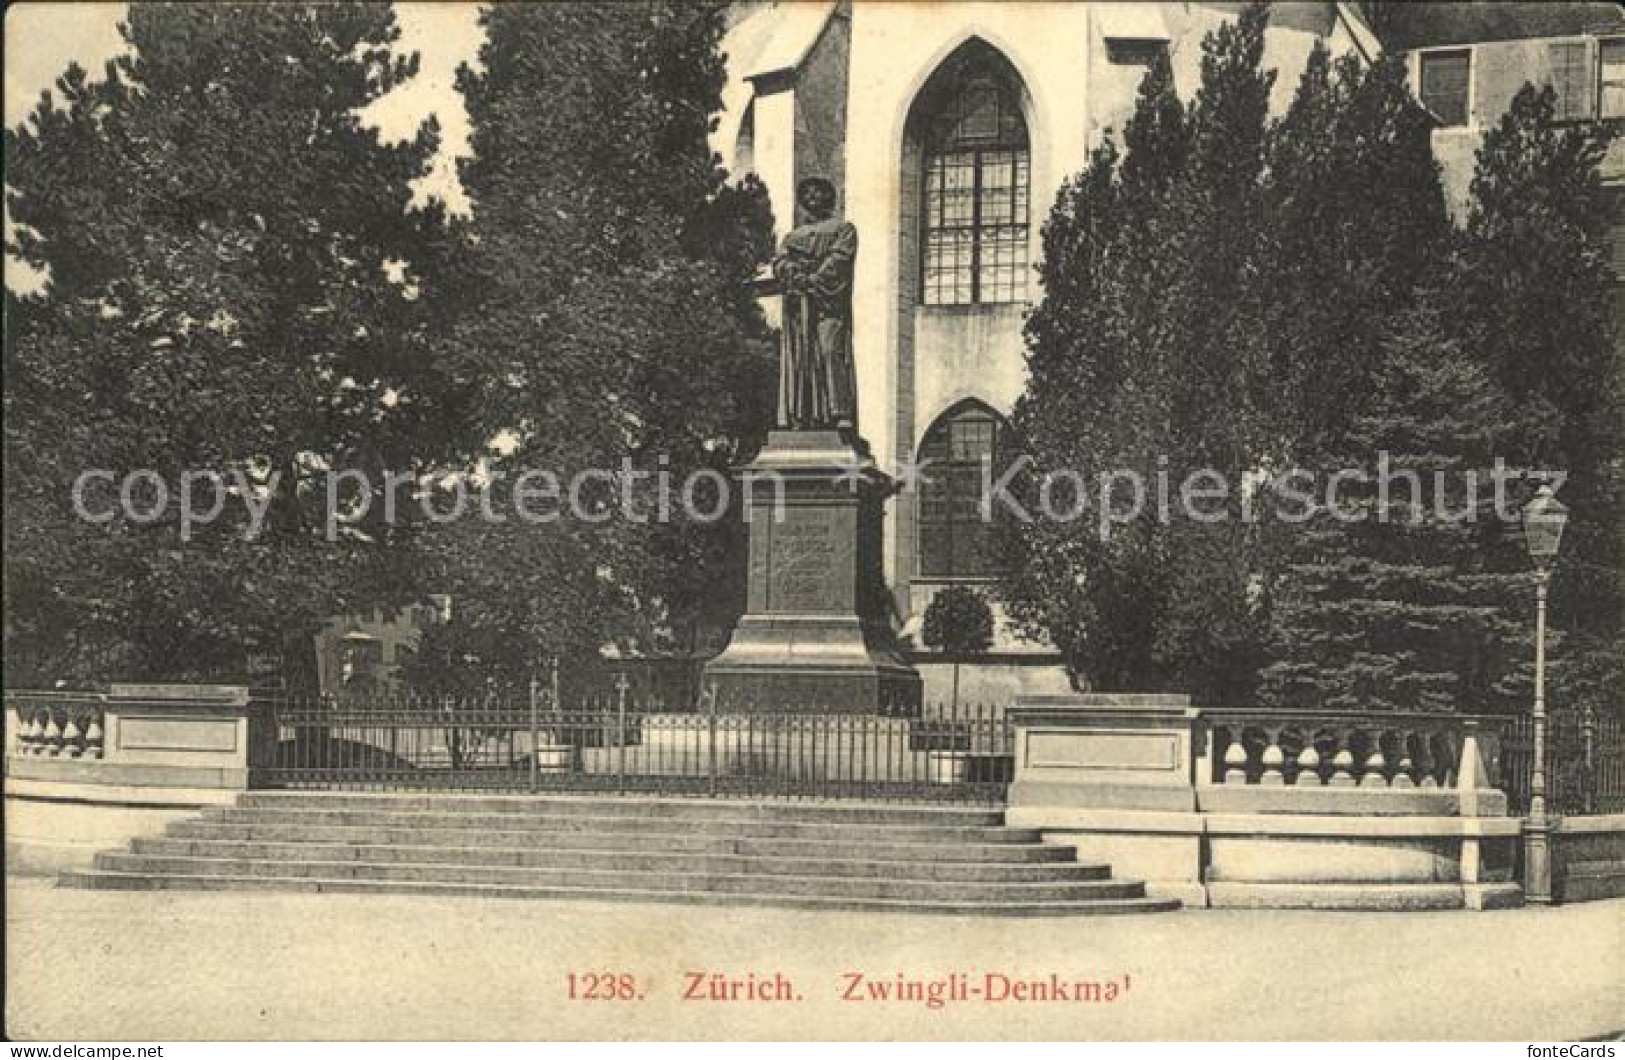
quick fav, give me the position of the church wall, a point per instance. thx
(919, 360)
(907, 355)
(773, 139)
(820, 107)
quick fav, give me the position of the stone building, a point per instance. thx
(1467, 61)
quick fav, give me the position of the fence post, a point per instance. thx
(1588, 762)
(621, 687)
(535, 739)
(710, 699)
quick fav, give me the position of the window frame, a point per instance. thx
(1602, 83)
(1422, 58)
(1142, 52)
(1590, 79)
(980, 232)
(934, 476)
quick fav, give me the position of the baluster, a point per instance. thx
(1374, 770)
(1444, 753)
(1426, 765)
(1308, 766)
(52, 737)
(1271, 760)
(1406, 765)
(34, 735)
(72, 738)
(1342, 762)
(1235, 761)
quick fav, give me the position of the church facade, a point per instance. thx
(948, 129)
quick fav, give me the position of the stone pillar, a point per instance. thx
(816, 633)
(1123, 752)
(208, 735)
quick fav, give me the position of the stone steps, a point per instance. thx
(668, 808)
(136, 881)
(742, 827)
(1055, 889)
(835, 846)
(698, 851)
(1055, 867)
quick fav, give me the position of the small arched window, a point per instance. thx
(964, 449)
(976, 173)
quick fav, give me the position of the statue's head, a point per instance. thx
(817, 198)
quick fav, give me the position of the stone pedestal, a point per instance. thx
(1107, 751)
(815, 636)
(196, 730)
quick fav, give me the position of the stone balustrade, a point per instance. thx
(1280, 809)
(58, 725)
(87, 771)
(1312, 749)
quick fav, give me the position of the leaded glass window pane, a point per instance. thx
(977, 172)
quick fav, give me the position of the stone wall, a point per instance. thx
(1282, 810)
(86, 773)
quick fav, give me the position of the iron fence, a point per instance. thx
(1585, 762)
(936, 753)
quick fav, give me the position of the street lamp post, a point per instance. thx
(1543, 520)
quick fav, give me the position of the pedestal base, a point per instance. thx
(815, 636)
(813, 664)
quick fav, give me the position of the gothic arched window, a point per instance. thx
(964, 449)
(974, 228)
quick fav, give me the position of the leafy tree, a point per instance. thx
(609, 320)
(235, 282)
(958, 623)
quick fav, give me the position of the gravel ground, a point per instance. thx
(85, 965)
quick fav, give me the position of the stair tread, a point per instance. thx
(643, 807)
(633, 852)
(318, 884)
(585, 822)
(260, 864)
(837, 837)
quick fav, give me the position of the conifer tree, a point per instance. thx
(1394, 596)
(234, 282)
(1535, 299)
(1357, 221)
(1148, 325)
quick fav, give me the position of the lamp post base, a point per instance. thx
(1537, 862)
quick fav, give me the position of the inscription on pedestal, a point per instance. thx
(810, 563)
